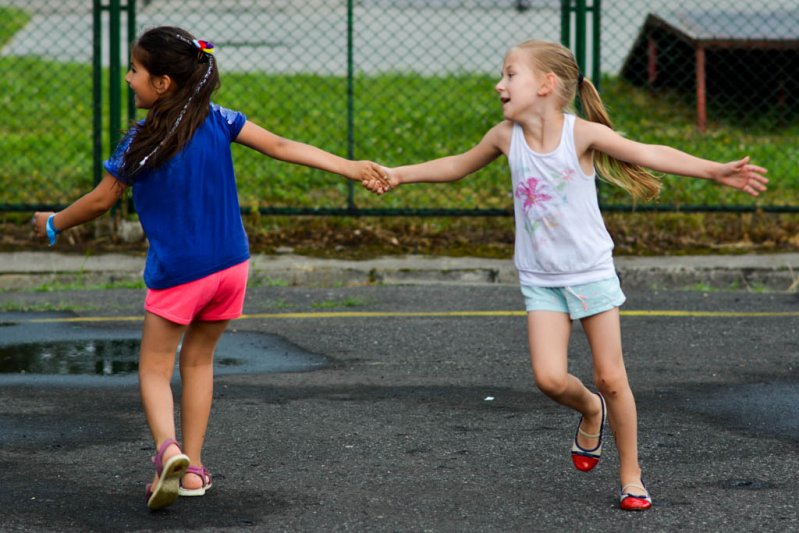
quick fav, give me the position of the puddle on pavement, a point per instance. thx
(59, 352)
(100, 357)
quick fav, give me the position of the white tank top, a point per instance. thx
(561, 239)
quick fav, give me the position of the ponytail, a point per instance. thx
(635, 179)
(173, 118)
(548, 56)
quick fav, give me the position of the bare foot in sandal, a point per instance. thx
(170, 465)
(196, 481)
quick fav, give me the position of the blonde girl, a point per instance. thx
(563, 251)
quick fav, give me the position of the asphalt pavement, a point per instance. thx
(417, 410)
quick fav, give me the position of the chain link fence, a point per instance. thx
(405, 81)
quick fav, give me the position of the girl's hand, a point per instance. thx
(369, 172)
(742, 176)
(387, 181)
(39, 222)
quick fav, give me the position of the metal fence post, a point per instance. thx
(581, 10)
(350, 103)
(97, 92)
(114, 73)
(114, 9)
(596, 34)
(579, 31)
(566, 23)
(131, 9)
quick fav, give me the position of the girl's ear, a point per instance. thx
(162, 84)
(548, 84)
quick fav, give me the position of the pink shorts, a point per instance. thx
(219, 296)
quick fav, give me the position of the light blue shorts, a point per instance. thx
(579, 301)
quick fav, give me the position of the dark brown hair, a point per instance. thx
(174, 117)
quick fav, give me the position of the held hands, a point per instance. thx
(372, 175)
(388, 180)
(742, 176)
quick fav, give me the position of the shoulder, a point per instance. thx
(588, 128)
(587, 133)
(232, 120)
(500, 135)
(229, 115)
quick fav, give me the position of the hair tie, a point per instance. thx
(580, 79)
(205, 46)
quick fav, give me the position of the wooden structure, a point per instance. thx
(745, 41)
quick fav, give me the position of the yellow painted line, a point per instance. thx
(84, 319)
(711, 314)
(386, 314)
(439, 314)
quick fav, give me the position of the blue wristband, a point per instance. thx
(52, 232)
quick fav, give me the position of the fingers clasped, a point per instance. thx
(378, 180)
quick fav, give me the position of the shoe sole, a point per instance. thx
(166, 490)
(194, 492)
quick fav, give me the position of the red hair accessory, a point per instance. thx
(205, 46)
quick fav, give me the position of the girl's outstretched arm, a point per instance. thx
(86, 208)
(739, 174)
(266, 142)
(454, 167)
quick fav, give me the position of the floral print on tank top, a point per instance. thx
(541, 201)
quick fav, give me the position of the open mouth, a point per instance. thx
(504, 100)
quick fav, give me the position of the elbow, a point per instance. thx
(103, 205)
(282, 150)
(100, 205)
(104, 197)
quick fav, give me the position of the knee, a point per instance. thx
(196, 359)
(611, 383)
(552, 385)
(156, 365)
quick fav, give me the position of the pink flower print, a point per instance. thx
(567, 175)
(535, 194)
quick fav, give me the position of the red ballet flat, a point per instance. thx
(630, 501)
(586, 459)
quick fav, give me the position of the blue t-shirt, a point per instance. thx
(189, 206)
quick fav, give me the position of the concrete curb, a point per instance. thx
(778, 272)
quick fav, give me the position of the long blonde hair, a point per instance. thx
(553, 57)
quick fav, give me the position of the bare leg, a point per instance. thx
(160, 339)
(548, 334)
(197, 376)
(604, 335)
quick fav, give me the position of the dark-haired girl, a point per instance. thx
(179, 165)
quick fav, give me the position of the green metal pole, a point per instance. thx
(350, 102)
(596, 73)
(596, 47)
(97, 92)
(565, 23)
(579, 30)
(114, 74)
(131, 8)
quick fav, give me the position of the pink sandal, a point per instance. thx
(164, 492)
(204, 474)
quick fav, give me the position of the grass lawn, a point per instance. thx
(49, 134)
(398, 119)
